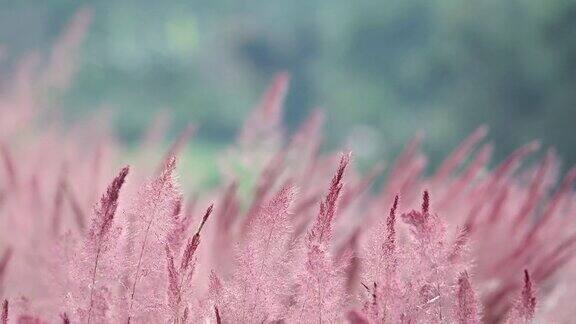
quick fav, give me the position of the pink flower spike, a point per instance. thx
(322, 229)
(459, 155)
(467, 309)
(390, 244)
(265, 120)
(4, 317)
(100, 228)
(426, 202)
(525, 307)
(194, 242)
(65, 318)
(205, 217)
(174, 291)
(104, 214)
(528, 297)
(178, 145)
(218, 319)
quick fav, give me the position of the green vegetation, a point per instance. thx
(382, 69)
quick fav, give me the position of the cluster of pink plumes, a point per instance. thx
(309, 240)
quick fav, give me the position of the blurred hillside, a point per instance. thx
(383, 70)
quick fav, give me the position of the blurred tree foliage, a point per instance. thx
(383, 70)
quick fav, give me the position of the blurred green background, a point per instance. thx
(382, 70)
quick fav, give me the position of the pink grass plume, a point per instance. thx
(4, 317)
(525, 307)
(100, 228)
(467, 308)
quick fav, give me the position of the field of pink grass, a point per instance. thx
(85, 239)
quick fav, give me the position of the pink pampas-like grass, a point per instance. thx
(309, 241)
